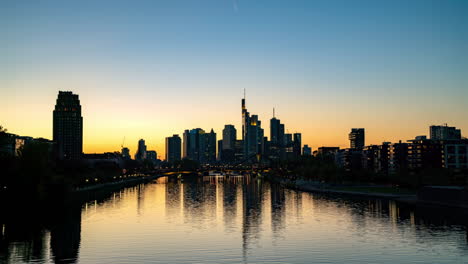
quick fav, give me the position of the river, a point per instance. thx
(235, 219)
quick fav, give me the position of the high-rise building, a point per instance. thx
(209, 151)
(185, 144)
(357, 138)
(68, 126)
(141, 151)
(229, 137)
(277, 144)
(275, 134)
(195, 143)
(306, 150)
(152, 156)
(444, 132)
(200, 146)
(126, 153)
(220, 150)
(173, 146)
(252, 133)
(297, 144)
(226, 150)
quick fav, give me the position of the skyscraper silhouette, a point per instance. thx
(68, 126)
(252, 132)
(357, 138)
(141, 151)
(173, 146)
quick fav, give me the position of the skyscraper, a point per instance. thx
(297, 144)
(275, 131)
(226, 150)
(173, 145)
(194, 144)
(126, 153)
(141, 151)
(152, 156)
(209, 151)
(445, 132)
(306, 150)
(68, 126)
(229, 137)
(357, 138)
(252, 133)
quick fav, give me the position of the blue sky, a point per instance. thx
(326, 65)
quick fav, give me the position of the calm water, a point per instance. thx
(235, 220)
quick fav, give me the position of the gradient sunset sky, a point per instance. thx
(150, 69)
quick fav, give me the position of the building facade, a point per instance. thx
(140, 155)
(252, 133)
(357, 138)
(173, 147)
(306, 150)
(444, 132)
(68, 126)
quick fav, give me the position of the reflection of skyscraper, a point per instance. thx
(173, 145)
(277, 207)
(252, 191)
(65, 236)
(229, 201)
(68, 126)
(141, 152)
(173, 199)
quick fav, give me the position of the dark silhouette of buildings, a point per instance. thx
(209, 152)
(199, 146)
(173, 147)
(126, 153)
(277, 138)
(297, 144)
(444, 132)
(68, 126)
(193, 144)
(152, 156)
(141, 151)
(306, 150)
(228, 144)
(357, 138)
(252, 132)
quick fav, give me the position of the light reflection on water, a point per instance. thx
(236, 220)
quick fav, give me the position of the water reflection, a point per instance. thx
(39, 235)
(232, 219)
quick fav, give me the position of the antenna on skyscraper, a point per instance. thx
(273, 112)
(244, 93)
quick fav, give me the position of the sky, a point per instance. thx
(150, 69)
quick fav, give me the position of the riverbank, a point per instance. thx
(373, 191)
(86, 192)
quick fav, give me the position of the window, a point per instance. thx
(451, 149)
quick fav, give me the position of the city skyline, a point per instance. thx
(396, 70)
(162, 154)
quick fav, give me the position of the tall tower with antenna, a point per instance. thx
(252, 133)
